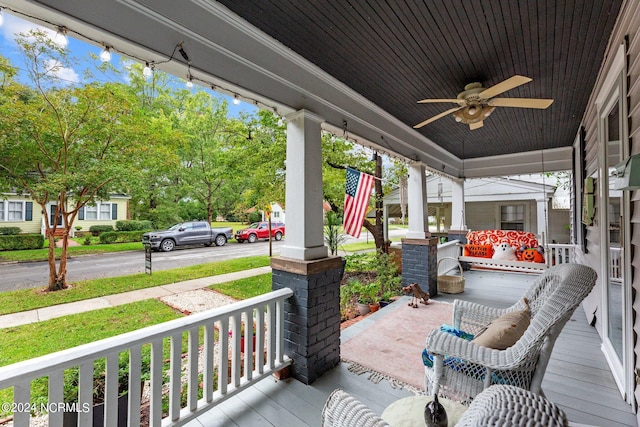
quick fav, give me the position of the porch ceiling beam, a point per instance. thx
(553, 160)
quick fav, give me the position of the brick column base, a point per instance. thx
(312, 314)
(419, 264)
(457, 235)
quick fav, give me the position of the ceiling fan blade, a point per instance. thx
(504, 86)
(521, 102)
(476, 125)
(426, 101)
(434, 118)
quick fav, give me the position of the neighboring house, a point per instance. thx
(21, 211)
(277, 213)
(523, 204)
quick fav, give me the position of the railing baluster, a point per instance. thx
(56, 381)
(111, 391)
(193, 369)
(22, 398)
(236, 328)
(85, 393)
(223, 370)
(155, 409)
(248, 344)
(260, 340)
(279, 329)
(135, 389)
(209, 346)
(271, 334)
(175, 376)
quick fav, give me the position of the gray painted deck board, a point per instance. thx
(577, 378)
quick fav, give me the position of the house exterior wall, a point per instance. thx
(26, 226)
(36, 224)
(626, 26)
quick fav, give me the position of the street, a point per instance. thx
(35, 274)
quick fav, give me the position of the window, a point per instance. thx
(90, 212)
(105, 211)
(100, 211)
(15, 210)
(276, 214)
(512, 217)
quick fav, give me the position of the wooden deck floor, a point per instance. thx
(577, 377)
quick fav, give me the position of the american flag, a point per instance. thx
(356, 200)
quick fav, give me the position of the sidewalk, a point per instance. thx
(46, 313)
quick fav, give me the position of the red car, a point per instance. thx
(260, 230)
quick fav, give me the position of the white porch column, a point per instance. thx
(542, 206)
(304, 238)
(417, 206)
(458, 220)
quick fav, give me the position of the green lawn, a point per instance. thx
(29, 299)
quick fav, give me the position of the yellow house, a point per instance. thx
(20, 211)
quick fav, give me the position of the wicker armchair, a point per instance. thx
(504, 405)
(462, 369)
(343, 410)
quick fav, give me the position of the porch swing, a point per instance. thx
(480, 246)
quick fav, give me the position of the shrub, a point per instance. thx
(96, 230)
(108, 237)
(121, 236)
(9, 231)
(132, 225)
(87, 241)
(21, 241)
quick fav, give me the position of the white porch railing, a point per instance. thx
(447, 250)
(615, 266)
(560, 253)
(170, 371)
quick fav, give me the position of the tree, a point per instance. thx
(208, 159)
(67, 145)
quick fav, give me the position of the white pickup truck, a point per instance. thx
(187, 233)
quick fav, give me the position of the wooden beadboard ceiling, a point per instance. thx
(397, 52)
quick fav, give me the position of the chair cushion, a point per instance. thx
(506, 330)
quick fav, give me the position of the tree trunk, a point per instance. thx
(377, 229)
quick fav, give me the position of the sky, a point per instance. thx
(12, 25)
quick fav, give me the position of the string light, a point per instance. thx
(105, 55)
(147, 71)
(61, 37)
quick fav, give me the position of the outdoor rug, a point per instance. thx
(392, 347)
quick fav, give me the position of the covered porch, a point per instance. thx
(353, 69)
(577, 378)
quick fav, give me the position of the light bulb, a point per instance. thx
(1, 17)
(189, 83)
(61, 37)
(236, 101)
(147, 71)
(105, 55)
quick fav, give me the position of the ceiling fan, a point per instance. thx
(476, 103)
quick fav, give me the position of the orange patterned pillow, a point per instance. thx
(481, 251)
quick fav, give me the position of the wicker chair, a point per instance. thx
(471, 368)
(505, 405)
(343, 410)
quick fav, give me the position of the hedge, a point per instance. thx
(132, 225)
(96, 230)
(121, 236)
(10, 231)
(21, 241)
